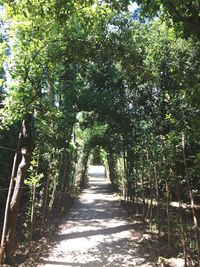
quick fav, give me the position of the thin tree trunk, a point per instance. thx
(52, 198)
(191, 200)
(52, 201)
(167, 204)
(32, 214)
(149, 211)
(129, 177)
(8, 202)
(26, 145)
(84, 170)
(112, 169)
(33, 205)
(135, 187)
(169, 233)
(63, 183)
(156, 176)
(125, 170)
(50, 88)
(151, 204)
(156, 180)
(184, 239)
(44, 206)
(183, 235)
(143, 196)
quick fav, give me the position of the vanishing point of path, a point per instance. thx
(96, 232)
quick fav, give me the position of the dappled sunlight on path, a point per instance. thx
(96, 232)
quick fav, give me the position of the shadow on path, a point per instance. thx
(105, 231)
(96, 231)
(60, 263)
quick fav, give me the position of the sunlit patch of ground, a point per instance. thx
(96, 232)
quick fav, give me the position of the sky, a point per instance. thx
(133, 6)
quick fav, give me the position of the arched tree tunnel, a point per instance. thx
(111, 83)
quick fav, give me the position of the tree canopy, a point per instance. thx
(76, 76)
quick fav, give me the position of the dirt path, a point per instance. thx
(96, 232)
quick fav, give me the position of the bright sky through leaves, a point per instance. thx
(133, 7)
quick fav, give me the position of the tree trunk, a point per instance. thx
(184, 240)
(150, 211)
(63, 181)
(143, 194)
(33, 193)
(50, 88)
(5, 222)
(169, 232)
(191, 201)
(156, 181)
(84, 170)
(156, 177)
(44, 209)
(112, 169)
(131, 177)
(56, 190)
(26, 145)
(167, 204)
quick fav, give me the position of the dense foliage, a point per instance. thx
(83, 76)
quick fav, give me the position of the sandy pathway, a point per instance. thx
(96, 231)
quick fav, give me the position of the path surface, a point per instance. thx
(96, 232)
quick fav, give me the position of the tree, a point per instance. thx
(185, 14)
